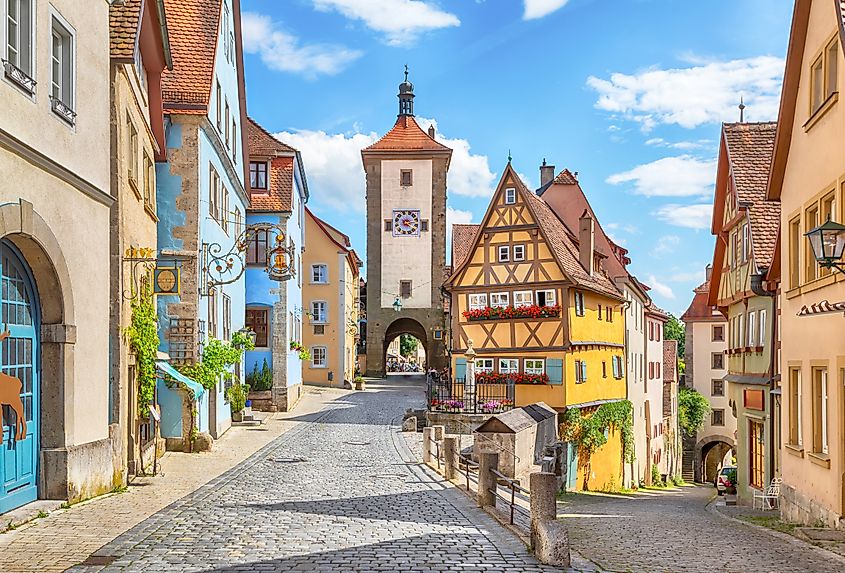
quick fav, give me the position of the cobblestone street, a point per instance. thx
(673, 531)
(334, 494)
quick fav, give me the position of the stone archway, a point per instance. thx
(41, 250)
(404, 326)
(709, 452)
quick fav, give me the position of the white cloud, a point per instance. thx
(469, 174)
(683, 176)
(682, 145)
(457, 217)
(336, 175)
(687, 216)
(663, 290)
(666, 244)
(541, 8)
(333, 166)
(401, 21)
(706, 92)
(282, 51)
(687, 277)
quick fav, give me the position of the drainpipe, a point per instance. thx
(758, 288)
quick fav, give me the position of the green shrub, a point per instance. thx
(261, 379)
(236, 394)
(656, 479)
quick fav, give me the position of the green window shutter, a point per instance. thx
(583, 371)
(554, 370)
(460, 368)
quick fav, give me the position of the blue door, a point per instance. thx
(18, 381)
(572, 467)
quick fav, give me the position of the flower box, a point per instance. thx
(518, 378)
(507, 312)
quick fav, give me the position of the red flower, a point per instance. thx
(492, 313)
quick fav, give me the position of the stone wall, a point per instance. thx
(796, 507)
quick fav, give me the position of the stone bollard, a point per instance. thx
(486, 480)
(409, 424)
(548, 536)
(428, 434)
(450, 454)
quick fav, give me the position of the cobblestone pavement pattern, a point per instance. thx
(333, 495)
(671, 531)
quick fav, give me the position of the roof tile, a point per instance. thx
(124, 22)
(406, 135)
(462, 242)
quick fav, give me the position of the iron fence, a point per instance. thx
(458, 397)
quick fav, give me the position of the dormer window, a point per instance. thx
(510, 196)
(258, 175)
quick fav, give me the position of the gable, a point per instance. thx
(506, 214)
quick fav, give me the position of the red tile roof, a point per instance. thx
(407, 135)
(750, 147)
(262, 143)
(124, 24)
(699, 309)
(565, 177)
(462, 242)
(193, 26)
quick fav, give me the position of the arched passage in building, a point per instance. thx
(410, 327)
(710, 455)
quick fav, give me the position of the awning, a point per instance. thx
(747, 379)
(823, 307)
(170, 371)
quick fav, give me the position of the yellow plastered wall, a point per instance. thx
(597, 386)
(605, 466)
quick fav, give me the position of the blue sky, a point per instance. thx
(629, 93)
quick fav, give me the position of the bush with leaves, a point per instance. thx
(587, 432)
(237, 395)
(143, 342)
(261, 379)
(692, 408)
(218, 357)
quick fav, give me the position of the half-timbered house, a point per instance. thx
(529, 296)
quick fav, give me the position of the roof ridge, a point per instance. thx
(404, 134)
(275, 139)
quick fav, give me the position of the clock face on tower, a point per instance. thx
(406, 222)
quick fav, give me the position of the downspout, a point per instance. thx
(758, 288)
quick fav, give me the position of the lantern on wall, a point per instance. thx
(828, 243)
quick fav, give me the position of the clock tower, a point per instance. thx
(406, 237)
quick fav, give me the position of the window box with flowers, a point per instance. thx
(451, 405)
(507, 312)
(303, 352)
(517, 377)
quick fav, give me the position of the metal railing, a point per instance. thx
(455, 396)
(504, 482)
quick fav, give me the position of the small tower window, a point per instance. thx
(405, 289)
(424, 225)
(510, 196)
(388, 225)
(406, 178)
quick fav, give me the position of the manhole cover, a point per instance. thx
(358, 443)
(99, 560)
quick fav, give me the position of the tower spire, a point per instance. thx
(741, 110)
(406, 96)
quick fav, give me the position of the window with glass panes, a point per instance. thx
(256, 249)
(257, 320)
(508, 366)
(535, 366)
(258, 175)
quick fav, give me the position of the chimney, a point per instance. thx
(547, 173)
(587, 242)
(708, 271)
(431, 131)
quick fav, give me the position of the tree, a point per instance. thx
(407, 345)
(692, 407)
(674, 330)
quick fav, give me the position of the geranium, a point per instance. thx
(517, 377)
(507, 312)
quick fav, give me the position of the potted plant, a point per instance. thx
(359, 382)
(237, 396)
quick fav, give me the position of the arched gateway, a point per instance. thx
(406, 237)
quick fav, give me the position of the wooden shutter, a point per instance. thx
(554, 370)
(460, 368)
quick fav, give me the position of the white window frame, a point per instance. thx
(800, 408)
(538, 366)
(508, 365)
(580, 371)
(751, 329)
(740, 330)
(477, 301)
(824, 388)
(315, 316)
(319, 278)
(522, 298)
(550, 294)
(761, 341)
(510, 196)
(68, 96)
(580, 306)
(325, 361)
(485, 365)
(500, 299)
(30, 60)
(520, 249)
(504, 254)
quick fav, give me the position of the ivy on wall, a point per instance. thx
(143, 342)
(692, 407)
(588, 432)
(217, 357)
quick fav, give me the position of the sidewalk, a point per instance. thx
(67, 537)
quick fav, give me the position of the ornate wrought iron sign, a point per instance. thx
(221, 268)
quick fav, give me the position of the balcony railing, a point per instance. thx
(63, 110)
(456, 397)
(20, 77)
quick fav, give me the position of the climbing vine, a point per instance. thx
(217, 357)
(692, 407)
(143, 342)
(587, 432)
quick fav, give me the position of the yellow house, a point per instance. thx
(531, 296)
(330, 294)
(808, 177)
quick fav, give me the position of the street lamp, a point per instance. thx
(397, 304)
(828, 243)
(249, 333)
